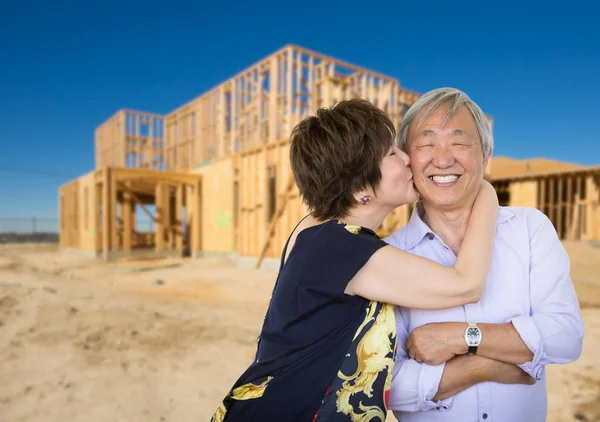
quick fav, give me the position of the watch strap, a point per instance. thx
(472, 349)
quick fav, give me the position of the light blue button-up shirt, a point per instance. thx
(529, 285)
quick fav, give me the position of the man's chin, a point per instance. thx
(442, 203)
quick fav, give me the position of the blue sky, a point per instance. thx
(65, 67)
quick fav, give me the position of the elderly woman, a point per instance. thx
(326, 349)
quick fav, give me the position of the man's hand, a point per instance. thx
(437, 342)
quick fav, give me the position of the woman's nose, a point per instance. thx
(405, 158)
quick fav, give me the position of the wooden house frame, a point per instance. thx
(569, 198)
(217, 170)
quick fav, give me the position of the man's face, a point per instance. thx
(447, 160)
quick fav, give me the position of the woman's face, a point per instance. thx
(396, 187)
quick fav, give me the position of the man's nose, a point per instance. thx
(443, 157)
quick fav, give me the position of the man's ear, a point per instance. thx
(486, 161)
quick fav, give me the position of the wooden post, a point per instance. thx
(113, 206)
(552, 202)
(559, 208)
(189, 212)
(106, 213)
(127, 214)
(179, 218)
(273, 94)
(542, 204)
(96, 211)
(197, 219)
(580, 198)
(591, 199)
(168, 216)
(289, 93)
(570, 204)
(160, 217)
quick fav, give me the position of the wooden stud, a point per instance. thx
(97, 216)
(552, 200)
(197, 219)
(128, 221)
(542, 195)
(107, 213)
(570, 204)
(160, 217)
(179, 218)
(276, 217)
(559, 207)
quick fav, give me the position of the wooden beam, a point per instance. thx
(137, 200)
(125, 174)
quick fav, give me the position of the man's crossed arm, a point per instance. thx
(432, 359)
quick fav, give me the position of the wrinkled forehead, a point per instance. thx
(445, 110)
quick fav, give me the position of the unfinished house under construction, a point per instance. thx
(214, 175)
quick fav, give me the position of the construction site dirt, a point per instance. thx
(164, 340)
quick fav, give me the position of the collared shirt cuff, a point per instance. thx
(429, 384)
(532, 338)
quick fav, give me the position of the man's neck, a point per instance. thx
(449, 224)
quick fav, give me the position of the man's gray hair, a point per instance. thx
(452, 99)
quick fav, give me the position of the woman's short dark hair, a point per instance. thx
(337, 153)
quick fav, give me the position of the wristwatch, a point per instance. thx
(473, 337)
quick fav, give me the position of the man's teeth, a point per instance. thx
(444, 179)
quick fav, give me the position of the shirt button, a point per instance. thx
(484, 416)
(430, 236)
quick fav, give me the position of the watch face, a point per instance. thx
(473, 335)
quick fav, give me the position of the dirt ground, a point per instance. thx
(85, 341)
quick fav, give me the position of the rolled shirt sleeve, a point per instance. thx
(553, 330)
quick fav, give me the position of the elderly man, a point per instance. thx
(483, 361)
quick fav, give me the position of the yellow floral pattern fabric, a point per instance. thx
(361, 389)
(244, 392)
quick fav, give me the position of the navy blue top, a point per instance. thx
(320, 350)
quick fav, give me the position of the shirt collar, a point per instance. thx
(416, 229)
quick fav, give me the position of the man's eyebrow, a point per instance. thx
(427, 132)
(458, 132)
